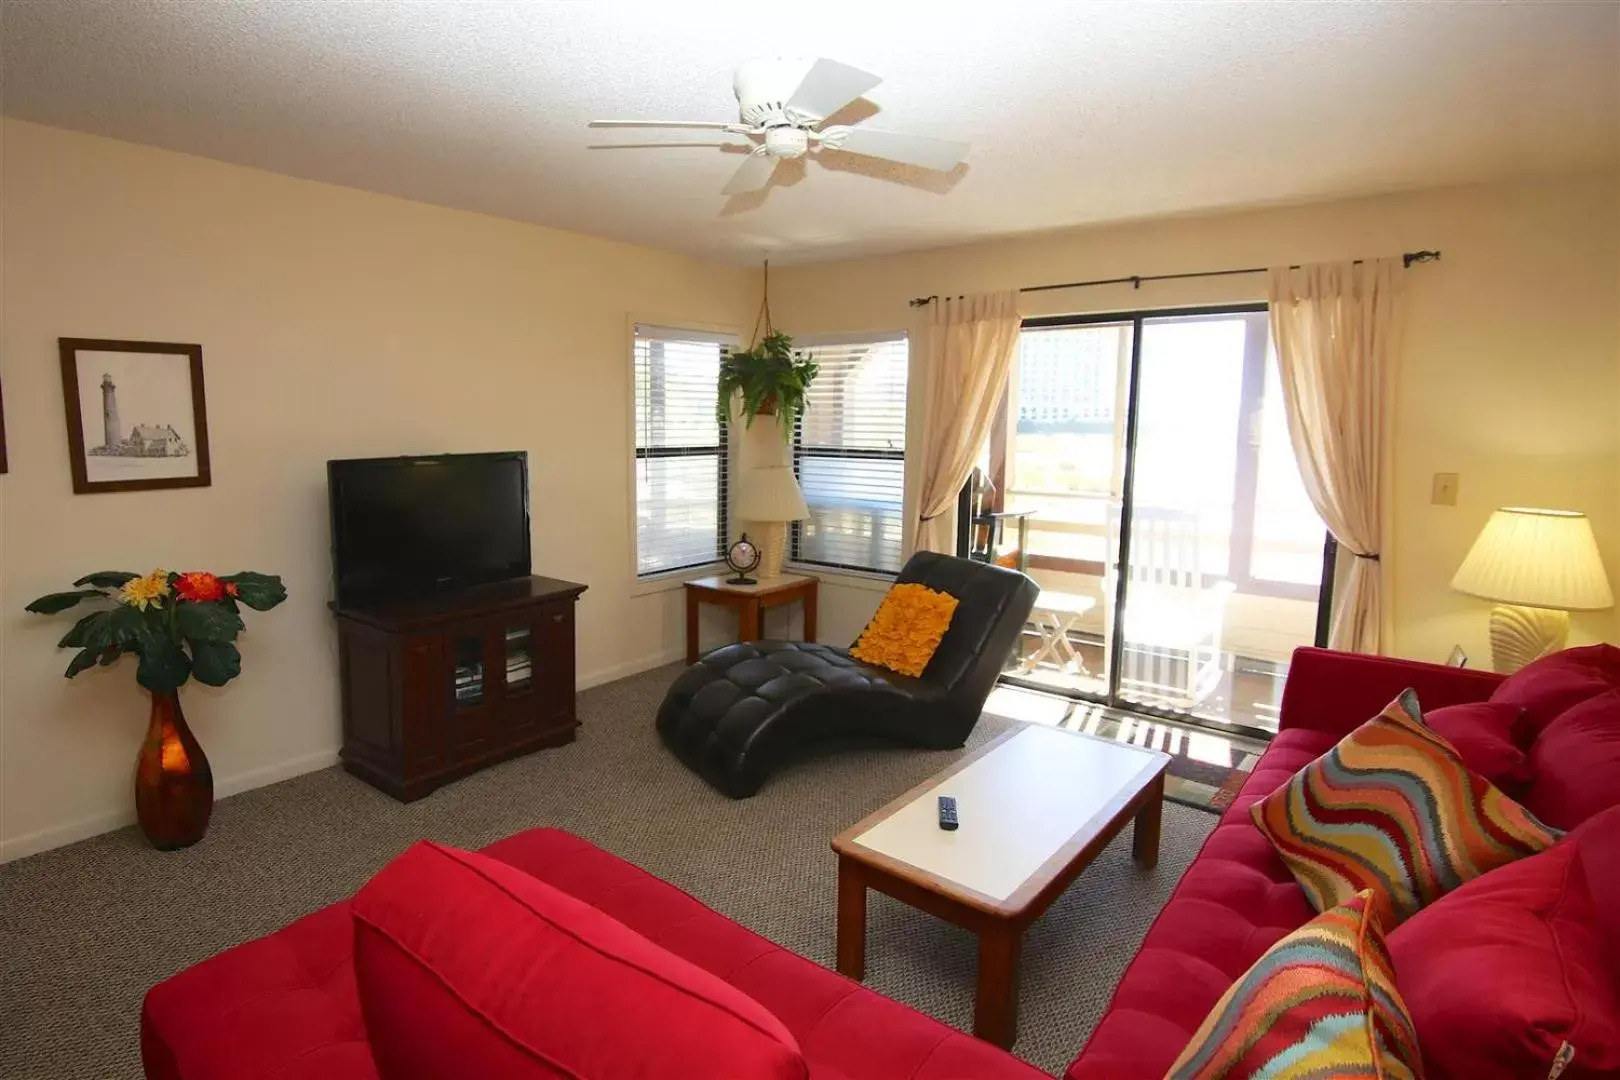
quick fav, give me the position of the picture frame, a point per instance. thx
(151, 431)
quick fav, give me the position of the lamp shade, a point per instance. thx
(770, 493)
(1536, 558)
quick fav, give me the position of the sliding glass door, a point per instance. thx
(1179, 560)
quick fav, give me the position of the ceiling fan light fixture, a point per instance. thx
(787, 142)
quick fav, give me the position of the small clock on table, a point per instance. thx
(743, 558)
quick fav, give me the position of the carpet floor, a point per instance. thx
(86, 929)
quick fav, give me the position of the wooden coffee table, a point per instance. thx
(1036, 806)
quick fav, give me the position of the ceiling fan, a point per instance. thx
(783, 106)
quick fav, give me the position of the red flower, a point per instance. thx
(231, 589)
(199, 586)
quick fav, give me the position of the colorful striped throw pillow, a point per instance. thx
(1321, 1004)
(1392, 808)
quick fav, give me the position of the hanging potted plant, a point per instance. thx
(771, 378)
(179, 627)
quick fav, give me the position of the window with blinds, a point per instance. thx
(680, 450)
(850, 455)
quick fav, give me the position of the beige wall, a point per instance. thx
(336, 323)
(1509, 370)
(333, 323)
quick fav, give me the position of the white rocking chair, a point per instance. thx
(1173, 616)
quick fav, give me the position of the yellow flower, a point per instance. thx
(140, 592)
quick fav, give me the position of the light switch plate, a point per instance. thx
(1444, 492)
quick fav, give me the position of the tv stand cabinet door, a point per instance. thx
(472, 689)
(532, 696)
(554, 662)
(421, 705)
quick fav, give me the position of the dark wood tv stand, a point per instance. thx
(439, 687)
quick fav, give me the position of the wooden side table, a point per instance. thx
(750, 601)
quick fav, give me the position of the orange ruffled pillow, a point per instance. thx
(908, 627)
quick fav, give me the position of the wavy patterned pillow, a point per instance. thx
(1393, 809)
(908, 627)
(1320, 1004)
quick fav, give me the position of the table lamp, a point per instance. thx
(769, 496)
(1538, 565)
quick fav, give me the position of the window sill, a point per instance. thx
(871, 580)
(674, 579)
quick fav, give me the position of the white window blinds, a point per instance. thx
(850, 455)
(680, 449)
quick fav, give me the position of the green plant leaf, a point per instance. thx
(51, 603)
(215, 663)
(261, 592)
(122, 627)
(86, 658)
(206, 622)
(110, 656)
(75, 638)
(164, 664)
(107, 579)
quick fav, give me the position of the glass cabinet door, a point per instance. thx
(519, 649)
(467, 671)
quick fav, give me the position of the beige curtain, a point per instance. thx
(970, 344)
(1334, 329)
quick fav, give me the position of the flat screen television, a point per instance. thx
(406, 527)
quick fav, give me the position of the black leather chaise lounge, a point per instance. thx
(743, 710)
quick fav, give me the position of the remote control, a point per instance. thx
(947, 813)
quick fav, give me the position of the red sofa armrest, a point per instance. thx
(1335, 692)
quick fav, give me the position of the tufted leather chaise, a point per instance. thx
(745, 709)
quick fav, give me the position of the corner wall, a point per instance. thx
(334, 323)
(1509, 375)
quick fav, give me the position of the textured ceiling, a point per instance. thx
(1076, 112)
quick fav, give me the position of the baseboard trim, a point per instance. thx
(628, 668)
(61, 835)
(275, 773)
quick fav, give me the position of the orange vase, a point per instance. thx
(174, 787)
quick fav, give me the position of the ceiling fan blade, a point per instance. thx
(753, 174)
(827, 87)
(922, 150)
(663, 143)
(700, 125)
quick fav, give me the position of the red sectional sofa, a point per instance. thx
(287, 1006)
(1238, 898)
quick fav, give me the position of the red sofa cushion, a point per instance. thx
(282, 1006)
(1500, 973)
(1486, 736)
(469, 967)
(844, 1030)
(1547, 687)
(1576, 763)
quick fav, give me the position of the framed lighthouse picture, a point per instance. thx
(136, 416)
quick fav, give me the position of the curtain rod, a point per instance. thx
(1135, 280)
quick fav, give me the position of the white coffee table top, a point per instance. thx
(1027, 802)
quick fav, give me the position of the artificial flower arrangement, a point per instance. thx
(179, 626)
